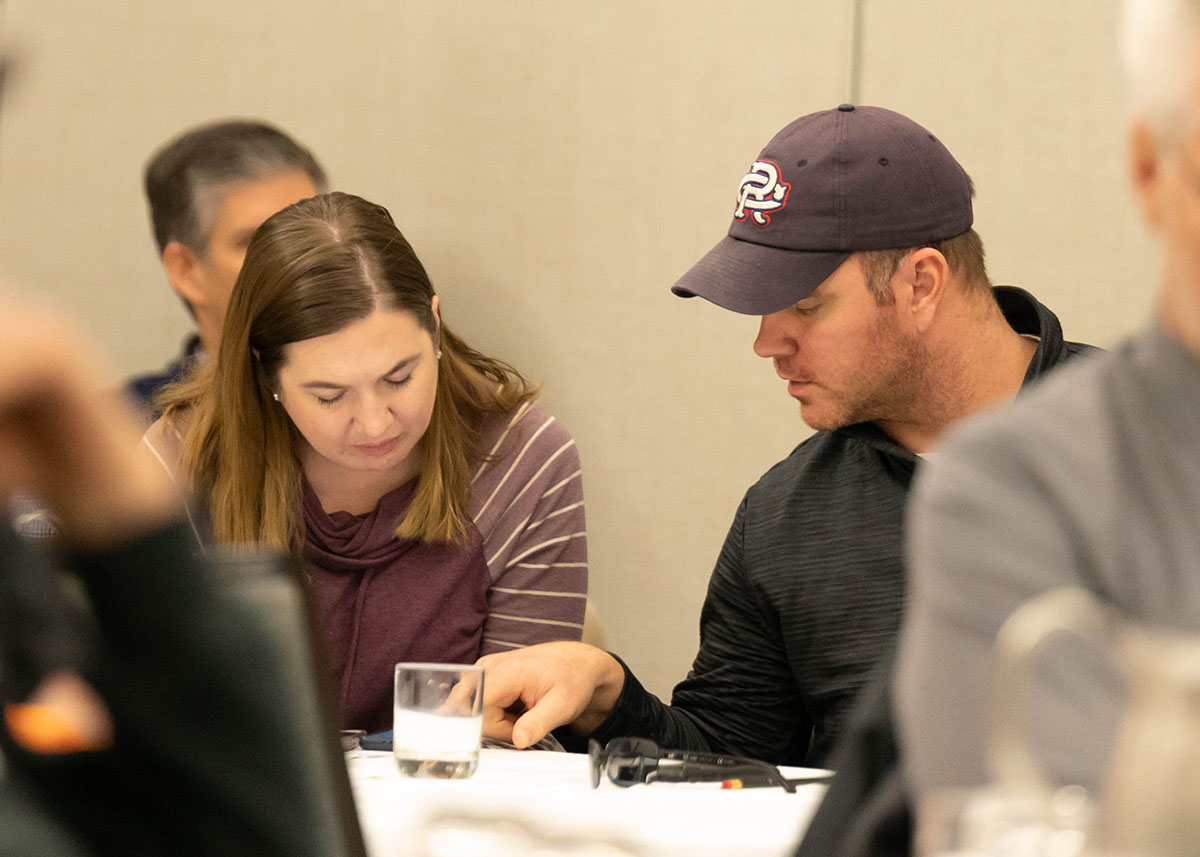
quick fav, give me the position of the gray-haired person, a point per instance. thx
(208, 191)
(1093, 481)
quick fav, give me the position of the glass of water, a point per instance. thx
(438, 720)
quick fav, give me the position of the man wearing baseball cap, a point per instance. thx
(851, 238)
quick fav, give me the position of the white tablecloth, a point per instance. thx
(542, 803)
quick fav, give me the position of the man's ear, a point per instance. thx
(1145, 171)
(926, 272)
(182, 269)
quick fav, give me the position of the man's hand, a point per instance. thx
(530, 691)
(67, 441)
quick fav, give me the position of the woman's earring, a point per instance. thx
(439, 354)
(275, 396)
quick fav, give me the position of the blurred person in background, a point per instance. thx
(208, 190)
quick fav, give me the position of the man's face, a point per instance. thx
(1178, 218)
(846, 359)
(241, 209)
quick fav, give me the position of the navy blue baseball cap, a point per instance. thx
(827, 185)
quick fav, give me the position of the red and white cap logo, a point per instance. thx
(760, 193)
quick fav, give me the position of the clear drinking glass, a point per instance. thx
(438, 720)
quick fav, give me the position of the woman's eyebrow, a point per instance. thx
(329, 385)
(403, 364)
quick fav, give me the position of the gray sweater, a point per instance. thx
(1092, 480)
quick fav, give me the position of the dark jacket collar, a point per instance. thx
(1027, 315)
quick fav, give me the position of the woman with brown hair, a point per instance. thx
(440, 509)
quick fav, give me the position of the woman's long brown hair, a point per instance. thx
(310, 270)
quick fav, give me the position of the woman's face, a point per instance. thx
(362, 396)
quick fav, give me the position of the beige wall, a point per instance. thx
(557, 165)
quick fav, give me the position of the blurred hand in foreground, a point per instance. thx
(64, 438)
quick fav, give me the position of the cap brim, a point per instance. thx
(755, 279)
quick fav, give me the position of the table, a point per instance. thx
(542, 802)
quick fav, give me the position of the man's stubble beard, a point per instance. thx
(897, 380)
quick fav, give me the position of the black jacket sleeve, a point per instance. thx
(739, 696)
